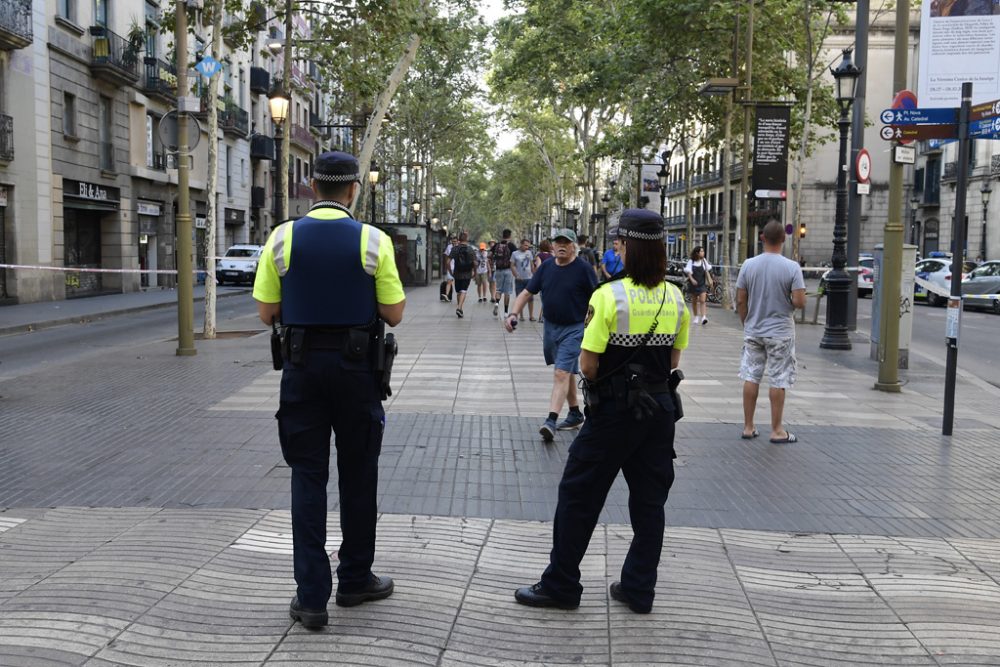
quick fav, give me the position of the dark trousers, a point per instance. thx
(324, 393)
(644, 451)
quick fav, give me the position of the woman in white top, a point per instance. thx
(699, 273)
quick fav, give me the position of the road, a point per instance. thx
(21, 354)
(979, 343)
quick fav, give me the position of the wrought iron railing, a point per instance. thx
(261, 147)
(260, 80)
(257, 197)
(15, 18)
(6, 137)
(161, 77)
(112, 50)
(234, 119)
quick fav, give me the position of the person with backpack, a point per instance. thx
(521, 262)
(463, 258)
(502, 275)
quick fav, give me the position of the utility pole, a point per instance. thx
(286, 144)
(725, 212)
(857, 143)
(185, 276)
(741, 237)
(892, 257)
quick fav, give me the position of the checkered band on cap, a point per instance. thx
(643, 236)
(336, 178)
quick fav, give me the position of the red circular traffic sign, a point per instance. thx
(863, 166)
(904, 99)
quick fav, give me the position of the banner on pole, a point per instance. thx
(958, 42)
(770, 152)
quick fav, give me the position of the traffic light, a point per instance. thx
(802, 230)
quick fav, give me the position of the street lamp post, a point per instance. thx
(663, 176)
(914, 205)
(373, 179)
(839, 282)
(278, 102)
(985, 193)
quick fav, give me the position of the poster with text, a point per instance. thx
(959, 41)
(770, 152)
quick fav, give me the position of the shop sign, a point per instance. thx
(91, 191)
(144, 208)
(199, 222)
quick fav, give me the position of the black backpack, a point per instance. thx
(501, 255)
(465, 260)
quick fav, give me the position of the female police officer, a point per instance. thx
(635, 331)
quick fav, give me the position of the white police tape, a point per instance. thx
(931, 287)
(81, 269)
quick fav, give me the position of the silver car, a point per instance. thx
(981, 289)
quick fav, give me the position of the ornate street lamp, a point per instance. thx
(278, 102)
(985, 193)
(663, 176)
(914, 205)
(839, 282)
(373, 180)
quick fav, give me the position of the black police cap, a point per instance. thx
(337, 167)
(641, 224)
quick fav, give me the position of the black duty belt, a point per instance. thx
(325, 339)
(606, 389)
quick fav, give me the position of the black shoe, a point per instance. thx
(618, 594)
(534, 597)
(378, 588)
(458, 311)
(312, 619)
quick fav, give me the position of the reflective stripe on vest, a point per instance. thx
(622, 306)
(370, 241)
(279, 247)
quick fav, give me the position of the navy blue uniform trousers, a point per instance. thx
(327, 392)
(610, 441)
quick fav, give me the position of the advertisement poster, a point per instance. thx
(959, 41)
(770, 152)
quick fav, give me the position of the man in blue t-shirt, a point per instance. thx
(566, 283)
(611, 263)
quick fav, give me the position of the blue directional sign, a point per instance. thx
(987, 128)
(208, 67)
(671, 238)
(941, 116)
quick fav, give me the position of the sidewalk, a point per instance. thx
(146, 516)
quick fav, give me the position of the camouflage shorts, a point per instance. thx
(775, 356)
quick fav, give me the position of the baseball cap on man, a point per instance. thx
(482, 246)
(565, 233)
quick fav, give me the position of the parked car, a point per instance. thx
(239, 265)
(866, 275)
(981, 288)
(936, 269)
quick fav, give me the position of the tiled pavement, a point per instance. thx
(147, 523)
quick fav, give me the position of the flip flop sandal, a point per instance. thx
(750, 436)
(788, 438)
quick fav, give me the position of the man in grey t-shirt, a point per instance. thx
(768, 290)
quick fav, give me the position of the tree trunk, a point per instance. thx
(382, 106)
(208, 332)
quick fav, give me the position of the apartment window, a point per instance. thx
(229, 171)
(152, 28)
(69, 114)
(101, 12)
(149, 142)
(104, 120)
(66, 9)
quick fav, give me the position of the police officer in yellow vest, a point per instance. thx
(331, 281)
(636, 327)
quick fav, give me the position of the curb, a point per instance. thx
(47, 324)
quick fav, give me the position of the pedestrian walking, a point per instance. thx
(331, 344)
(482, 273)
(636, 327)
(490, 269)
(463, 260)
(589, 255)
(768, 290)
(566, 283)
(502, 275)
(611, 262)
(522, 266)
(449, 277)
(699, 275)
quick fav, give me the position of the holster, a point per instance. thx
(277, 362)
(385, 354)
(293, 345)
(675, 380)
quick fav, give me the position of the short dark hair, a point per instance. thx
(545, 246)
(773, 232)
(333, 190)
(646, 261)
(695, 251)
(507, 233)
(463, 237)
(581, 239)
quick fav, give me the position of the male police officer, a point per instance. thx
(329, 279)
(636, 327)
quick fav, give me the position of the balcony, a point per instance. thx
(707, 180)
(160, 80)
(15, 24)
(6, 138)
(234, 120)
(157, 161)
(257, 197)
(674, 188)
(675, 221)
(303, 138)
(260, 81)
(261, 147)
(114, 59)
(707, 220)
